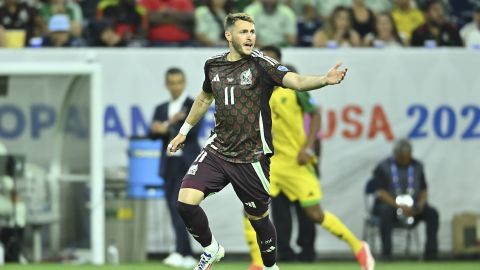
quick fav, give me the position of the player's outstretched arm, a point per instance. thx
(308, 82)
(199, 108)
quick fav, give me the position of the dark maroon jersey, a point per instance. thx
(242, 90)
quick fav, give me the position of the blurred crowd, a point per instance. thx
(199, 23)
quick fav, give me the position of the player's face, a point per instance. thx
(242, 37)
(175, 84)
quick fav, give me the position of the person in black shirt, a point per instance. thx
(436, 28)
(402, 197)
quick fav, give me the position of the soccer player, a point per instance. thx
(241, 82)
(292, 168)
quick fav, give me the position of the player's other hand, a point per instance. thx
(176, 143)
(334, 75)
(305, 156)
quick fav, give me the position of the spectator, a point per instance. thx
(60, 34)
(50, 7)
(471, 32)
(209, 22)
(436, 28)
(16, 15)
(385, 34)
(171, 22)
(103, 34)
(363, 19)
(402, 195)
(307, 25)
(167, 120)
(407, 18)
(338, 32)
(129, 18)
(275, 23)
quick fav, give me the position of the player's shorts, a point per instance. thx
(250, 181)
(297, 182)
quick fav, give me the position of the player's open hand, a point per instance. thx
(176, 144)
(335, 76)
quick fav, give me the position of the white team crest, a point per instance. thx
(246, 77)
(193, 169)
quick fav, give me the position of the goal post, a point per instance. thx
(95, 175)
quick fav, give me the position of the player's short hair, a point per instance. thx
(174, 70)
(233, 17)
(276, 50)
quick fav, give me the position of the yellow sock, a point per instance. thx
(251, 237)
(333, 224)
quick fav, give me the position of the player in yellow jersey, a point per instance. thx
(292, 171)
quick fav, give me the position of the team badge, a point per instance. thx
(193, 169)
(246, 77)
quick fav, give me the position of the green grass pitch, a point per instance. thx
(243, 266)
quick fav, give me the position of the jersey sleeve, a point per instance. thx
(306, 102)
(207, 84)
(274, 70)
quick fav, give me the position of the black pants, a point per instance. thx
(388, 218)
(12, 239)
(282, 218)
(176, 169)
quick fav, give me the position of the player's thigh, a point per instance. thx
(301, 183)
(204, 177)
(252, 186)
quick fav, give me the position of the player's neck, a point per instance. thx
(233, 55)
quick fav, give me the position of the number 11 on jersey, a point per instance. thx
(232, 96)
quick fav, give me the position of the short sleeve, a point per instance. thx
(274, 70)
(306, 102)
(207, 84)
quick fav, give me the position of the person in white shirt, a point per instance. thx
(470, 33)
(167, 120)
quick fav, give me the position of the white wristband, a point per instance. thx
(185, 128)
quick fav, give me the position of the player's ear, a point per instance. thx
(228, 36)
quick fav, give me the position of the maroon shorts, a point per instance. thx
(251, 181)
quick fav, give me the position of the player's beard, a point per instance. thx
(239, 48)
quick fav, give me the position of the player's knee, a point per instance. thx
(315, 213)
(190, 196)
